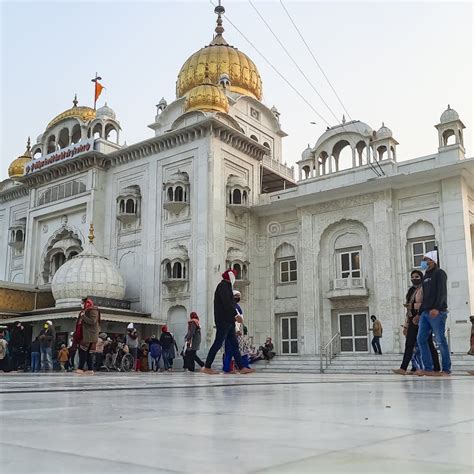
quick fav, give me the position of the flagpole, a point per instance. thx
(97, 78)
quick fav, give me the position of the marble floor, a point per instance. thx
(278, 423)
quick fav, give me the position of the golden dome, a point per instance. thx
(85, 114)
(17, 167)
(206, 97)
(221, 58)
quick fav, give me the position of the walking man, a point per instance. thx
(434, 314)
(377, 331)
(225, 316)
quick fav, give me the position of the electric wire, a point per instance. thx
(275, 69)
(289, 83)
(371, 166)
(292, 59)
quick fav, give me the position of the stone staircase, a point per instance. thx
(352, 364)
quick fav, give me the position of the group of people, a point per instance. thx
(426, 314)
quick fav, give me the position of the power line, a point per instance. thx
(314, 58)
(292, 59)
(275, 69)
(373, 168)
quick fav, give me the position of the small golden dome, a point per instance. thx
(85, 114)
(206, 97)
(220, 58)
(17, 167)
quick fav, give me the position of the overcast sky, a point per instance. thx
(400, 63)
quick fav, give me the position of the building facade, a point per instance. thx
(210, 190)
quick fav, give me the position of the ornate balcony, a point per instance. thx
(348, 288)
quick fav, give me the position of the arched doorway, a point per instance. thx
(178, 324)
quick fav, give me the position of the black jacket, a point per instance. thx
(167, 341)
(17, 338)
(435, 292)
(224, 305)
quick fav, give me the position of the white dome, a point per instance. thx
(449, 115)
(307, 153)
(384, 132)
(106, 112)
(87, 274)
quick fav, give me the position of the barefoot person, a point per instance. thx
(412, 304)
(433, 314)
(90, 327)
(225, 316)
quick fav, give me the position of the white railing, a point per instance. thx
(279, 167)
(346, 283)
(329, 351)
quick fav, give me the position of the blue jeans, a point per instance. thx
(167, 359)
(47, 358)
(228, 357)
(35, 362)
(438, 326)
(225, 333)
(376, 345)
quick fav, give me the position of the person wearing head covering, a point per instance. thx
(241, 339)
(155, 353)
(434, 313)
(413, 300)
(192, 343)
(90, 323)
(168, 344)
(47, 338)
(225, 316)
(131, 339)
(17, 347)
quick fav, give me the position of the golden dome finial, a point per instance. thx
(218, 38)
(219, 11)
(28, 147)
(91, 234)
(75, 101)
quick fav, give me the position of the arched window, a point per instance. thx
(238, 271)
(63, 138)
(323, 164)
(244, 197)
(72, 254)
(97, 131)
(130, 206)
(111, 133)
(449, 137)
(306, 171)
(19, 235)
(177, 270)
(362, 150)
(170, 194)
(58, 260)
(253, 137)
(266, 145)
(37, 153)
(381, 151)
(168, 271)
(236, 197)
(342, 153)
(76, 134)
(51, 144)
(178, 194)
(122, 206)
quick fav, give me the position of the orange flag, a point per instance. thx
(98, 89)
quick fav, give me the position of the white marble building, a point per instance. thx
(211, 189)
